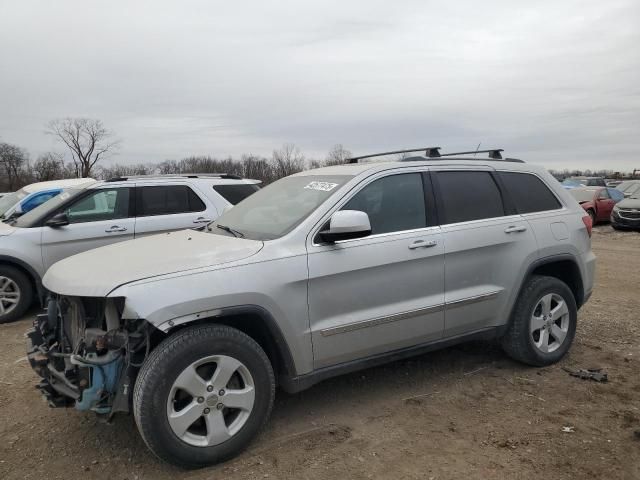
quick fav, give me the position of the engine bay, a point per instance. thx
(86, 355)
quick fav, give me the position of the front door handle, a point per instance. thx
(515, 229)
(422, 244)
(202, 220)
(116, 228)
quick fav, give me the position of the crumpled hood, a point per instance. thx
(97, 272)
(629, 203)
(6, 229)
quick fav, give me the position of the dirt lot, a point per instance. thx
(474, 413)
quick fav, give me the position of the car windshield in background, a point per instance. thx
(583, 195)
(630, 187)
(278, 208)
(10, 199)
(235, 193)
(32, 217)
(568, 182)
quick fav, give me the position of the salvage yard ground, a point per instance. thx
(465, 412)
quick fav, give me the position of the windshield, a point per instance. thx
(582, 195)
(33, 216)
(630, 185)
(278, 208)
(10, 200)
(568, 182)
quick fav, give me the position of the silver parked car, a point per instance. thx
(320, 273)
(102, 213)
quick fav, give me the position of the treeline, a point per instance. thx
(17, 169)
(562, 174)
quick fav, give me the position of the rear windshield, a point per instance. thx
(582, 195)
(236, 193)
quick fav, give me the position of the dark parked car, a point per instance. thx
(626, 214)
(598, 202)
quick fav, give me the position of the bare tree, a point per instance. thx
(49, 166)
(338, 155)
(87, 139)
(126, 170)
(288, 160)
(15, 163)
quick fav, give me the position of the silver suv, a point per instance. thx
(320, 273)
(101, 213)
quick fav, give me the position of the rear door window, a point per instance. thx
(167, 200)
(467, 195)
(236, 193)
(528, 192)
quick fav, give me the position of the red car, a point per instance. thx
(596, 201)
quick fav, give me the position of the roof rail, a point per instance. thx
(429, 152)
(493, 153)
(433, 153)
(227, 176)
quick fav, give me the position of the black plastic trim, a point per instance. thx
(302, 382)
(272, 326)
(581, 300)
(430, 200)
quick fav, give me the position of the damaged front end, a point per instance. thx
(86, 354)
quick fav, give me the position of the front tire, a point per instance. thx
(16, 294)
(202, 395)
(592, 214)
(543, 324)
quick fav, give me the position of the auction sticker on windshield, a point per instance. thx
(322, 186)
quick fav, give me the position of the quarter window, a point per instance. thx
(528, 192)
(237, 192)
(166, 200)
(104, 204)
(468, 196)
(394, 203)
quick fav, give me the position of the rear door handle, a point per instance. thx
(202, 220)
(116, 228)
(515, 228)
(422, 244)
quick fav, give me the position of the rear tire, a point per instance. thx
(543, 324)
(16, 294)
(202, 395)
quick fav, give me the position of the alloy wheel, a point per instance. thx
(210, 401)
(9, 295)
(549, 323)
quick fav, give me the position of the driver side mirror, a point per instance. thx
(346, 225)
(59, 220)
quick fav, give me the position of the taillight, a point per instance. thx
(588, 223)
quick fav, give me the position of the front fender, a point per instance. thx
(179, 299)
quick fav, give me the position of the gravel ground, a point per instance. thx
(465, 411)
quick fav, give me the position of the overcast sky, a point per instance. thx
(555, 82)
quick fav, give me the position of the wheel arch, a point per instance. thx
(258, 323)
(25, 268)
(562, 267)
